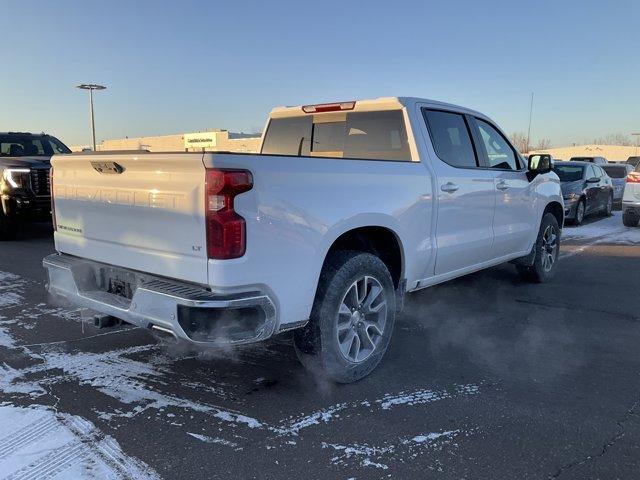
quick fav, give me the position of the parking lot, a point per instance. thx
(486, 377)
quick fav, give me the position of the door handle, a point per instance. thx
(449, 187)
(502, 185)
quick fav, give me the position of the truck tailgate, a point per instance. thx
(143, 211)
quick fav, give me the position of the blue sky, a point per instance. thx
(172, 67)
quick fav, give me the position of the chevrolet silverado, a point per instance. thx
(348, 206)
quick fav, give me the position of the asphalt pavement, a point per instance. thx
(486, 377)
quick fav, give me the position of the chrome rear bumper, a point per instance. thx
(189, 312)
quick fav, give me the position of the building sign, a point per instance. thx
(201, 140)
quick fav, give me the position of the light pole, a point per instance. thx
(529, 130)
(91, 87)
(637, 135)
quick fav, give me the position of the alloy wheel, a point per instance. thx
(362, 317)
(549, 248)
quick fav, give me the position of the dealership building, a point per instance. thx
(210, 140)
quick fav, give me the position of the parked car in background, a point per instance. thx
(586, 190)
(633, 161)
(348, 206)
(596, 160)
(24, 178)
(618, 173)
(631, 199)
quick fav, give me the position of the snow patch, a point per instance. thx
(433, 436)
(39, 443)
(364, 455)
(607, 229)
(207, 439)
(321, 416)
(419, 397)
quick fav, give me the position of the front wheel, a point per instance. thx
(547, 249)
(352, 318)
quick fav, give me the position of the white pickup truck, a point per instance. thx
(348, 206)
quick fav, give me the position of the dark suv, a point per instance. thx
(25, 193)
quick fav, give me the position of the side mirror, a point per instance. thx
(593, 180)
(539, 164)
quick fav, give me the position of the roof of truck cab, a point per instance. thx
(374, 104)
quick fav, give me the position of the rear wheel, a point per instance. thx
(547, 249)
(7, 228)
(352, 318)
(630, 220)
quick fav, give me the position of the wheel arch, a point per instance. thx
(378, 240)
(557, 210)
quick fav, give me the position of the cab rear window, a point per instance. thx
(361, 135)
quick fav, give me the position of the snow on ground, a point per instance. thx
(381, 456)
(39, 443)
(609, 229)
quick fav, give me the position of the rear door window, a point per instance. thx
(451, 138)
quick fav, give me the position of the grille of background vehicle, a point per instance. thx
(40, 182)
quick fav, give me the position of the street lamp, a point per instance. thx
(91, 87)
(637, 135)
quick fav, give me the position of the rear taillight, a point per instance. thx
(633, 177)
(53, 205)
(226, 230)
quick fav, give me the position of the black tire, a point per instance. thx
(579, 218)
(608, 208)
(7, 228)
(540, 272)
(630, 220)
(318, 344)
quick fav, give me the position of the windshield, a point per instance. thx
(20, 145)
(569, 173)
(368, 135)
(616, 172)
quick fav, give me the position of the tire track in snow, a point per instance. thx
(74, 443)
(26, 435)
(52, 464)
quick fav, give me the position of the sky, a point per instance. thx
(174, 67)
